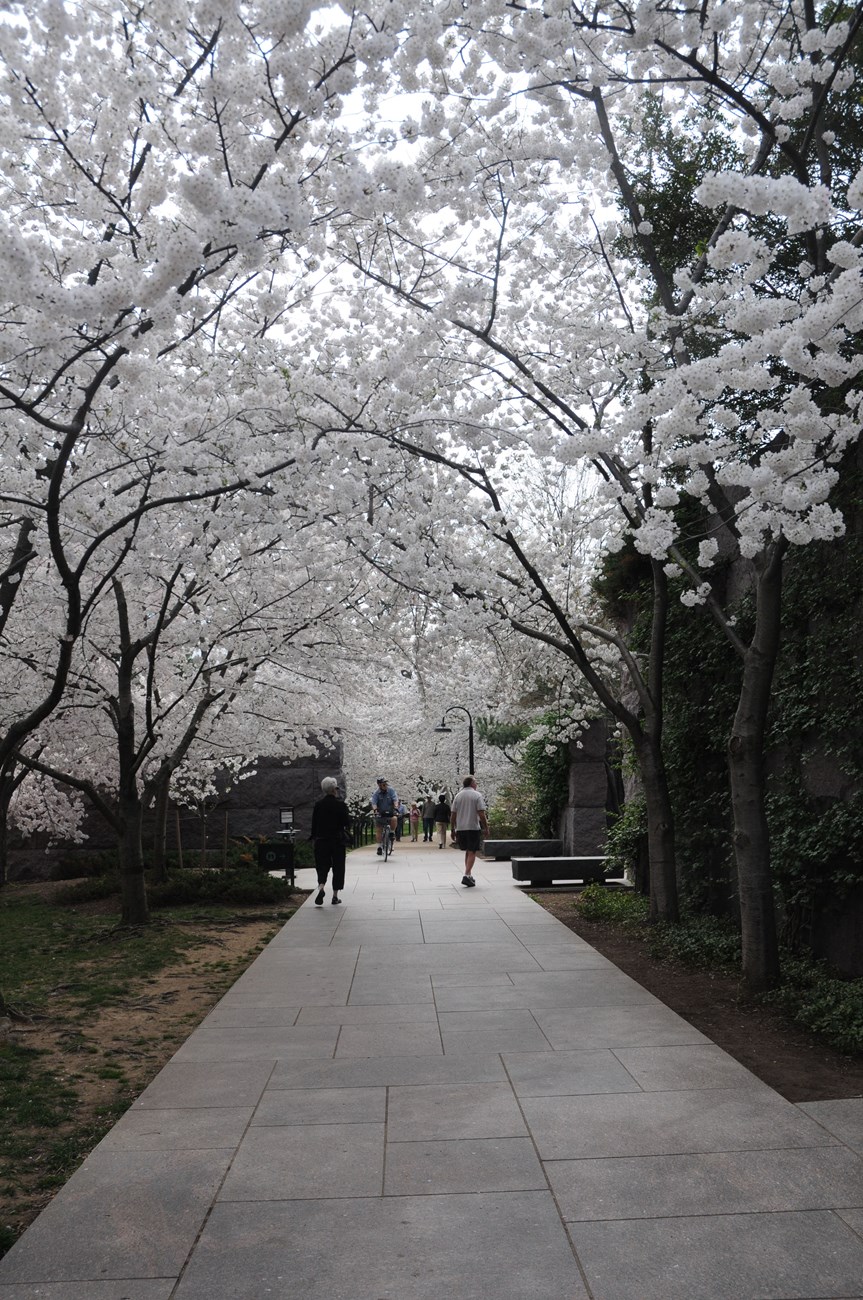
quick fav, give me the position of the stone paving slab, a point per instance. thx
(388, 1013)
(251, 1016)
(844, 1119)
(695, 1065)
(502, 1245)
(721, 1257)
(466, 1165)
(660, 1123)
(726, 1182)
(121, 1215)
(322, 1105)
(566, 1074)
(393, 1071)
(433, 1093)
(307, 1161)
(257, 1043)
(194, 1086)
(649, 1025)
(123, 1289)
(377, 990)
(436, 1111)
(201, 1129)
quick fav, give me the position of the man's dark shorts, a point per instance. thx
(469, 841)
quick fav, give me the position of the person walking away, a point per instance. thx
(428, 819)
(414, 819)
(331, 824)
(469, 823)
(384, 804)
(442, 814)
(401, 813)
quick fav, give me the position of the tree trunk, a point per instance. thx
(133, 892)
(5, 799)
(10, 779)
(660, 831)
(160, 827)
(747, 780)
(179, 839)
(203, 819)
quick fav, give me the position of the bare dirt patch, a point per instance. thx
(762, 1038)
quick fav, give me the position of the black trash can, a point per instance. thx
(277, 855)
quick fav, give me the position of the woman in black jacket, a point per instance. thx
(331, 823)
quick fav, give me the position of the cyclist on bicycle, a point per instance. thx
(385, 803)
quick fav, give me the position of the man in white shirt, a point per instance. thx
(469, 823)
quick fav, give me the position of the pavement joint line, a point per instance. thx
(581, 1269)
(198, 1235)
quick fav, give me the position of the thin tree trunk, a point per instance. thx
(160, 828)
(179, 840)
(133, 892)
(5, 798)
(660, 830)
(748, 786)
(10, 779)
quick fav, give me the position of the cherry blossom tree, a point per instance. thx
(168, 664)
(703, 356)
(166, 171)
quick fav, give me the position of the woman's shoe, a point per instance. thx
(320, 897)
(336, 899)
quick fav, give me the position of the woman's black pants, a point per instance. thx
(330, 856)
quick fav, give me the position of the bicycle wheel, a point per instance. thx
(386, 841)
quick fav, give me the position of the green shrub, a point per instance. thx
(90, 890)
(511, 813)
(826, 1005)
(243, 853)
(237, 887)
(626, 836)
(596, 903)
(546, 764)
(84, 862)
(706, 941)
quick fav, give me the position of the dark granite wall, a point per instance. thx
(583, 821)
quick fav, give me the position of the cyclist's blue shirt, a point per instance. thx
(385, 802)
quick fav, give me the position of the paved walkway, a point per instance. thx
(432, 1093)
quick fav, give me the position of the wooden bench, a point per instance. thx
(504, 849)
(548, 870)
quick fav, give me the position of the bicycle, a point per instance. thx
(388, 836)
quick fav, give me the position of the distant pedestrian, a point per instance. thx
(401, 813)
(469, 822)
(442, 814)
(428, 819)
(331, 824)
(414, 819)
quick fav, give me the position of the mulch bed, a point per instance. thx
(782, 1054)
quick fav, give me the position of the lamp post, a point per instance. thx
(443, 727)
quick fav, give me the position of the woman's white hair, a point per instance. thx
(329, 784)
